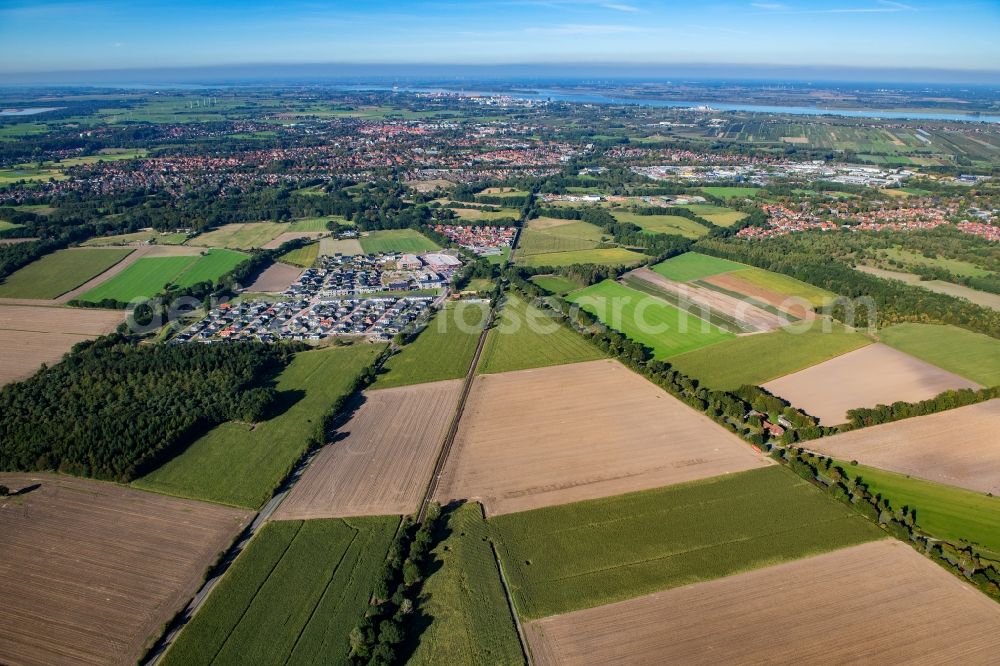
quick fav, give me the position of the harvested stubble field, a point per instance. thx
(275, 278)
(535, 438)
(32, 335)
(91, 570)
(876, 603)
(605, 256)
(331, 246)
(292, 597)
(241, 235)
(872, 375)
(381, 460)
(958, 447)
(574, 556)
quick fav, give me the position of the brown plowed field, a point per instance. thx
(32, 335)
(275, 278)
(751, 316)
(877, 603)
(796, 307)
(535, 438)
(385, 459)
(91, 571)
(873, 375)
(959, 447)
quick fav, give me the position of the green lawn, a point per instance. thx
(443, 350)
(470, 619)
(694, 266)
(312, 223)
(557, 284)
(150, 275)
(755, 359)
(397, 240)
(473, 213)
(499, 259)
(667, 330)
(304, 256)
(210, 267)
(565, 558)
(241, 464)
(241, 236)
(611, 256)
(717, 215)
(731, 192)
(527, 337)
(59, 272)
(292, 596)
(944, 511)
(663, 224)
(972, 355)
(786, 285)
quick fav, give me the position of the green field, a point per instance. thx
(539, 238)
(312, 223)
(474, 213)
(241, 236)
(5, 225)
(693, 266)
(470, 619)
(556, 284)
(731, 192)
(397, 240)
(137, 237)
(150, 275)
(788, 286)
(667, 330)
(292, 596)
(499, 259)
(755, 359)
(565, 558)
(955, 266)
(663, 224)
(972, 355)
(443, 350)
(717, 215)
(527, 337)
(59, 272)
(240, 464)
(611, 256)
(304, 256)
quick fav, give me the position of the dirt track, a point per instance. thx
(384, 462)
(873, 375)
(959, 447)
(877, 603)
(91, 571)
(547, 436)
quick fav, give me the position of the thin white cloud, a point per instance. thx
(770, 6)
(716, 28)
(620, 7)
(880, 7)
(585, 29)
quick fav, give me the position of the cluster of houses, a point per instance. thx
(482, 241)
(764, 174)
(343, 275)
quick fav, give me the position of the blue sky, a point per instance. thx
(43, 35)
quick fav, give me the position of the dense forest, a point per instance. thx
(113, 409)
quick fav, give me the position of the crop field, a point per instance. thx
(950, 513)
(241, 464)
(470, 622)
(984, 298)
(665, 329)
(397, 240)
(717, 215)
(663, 224)
(758, 283)
(956, 447)
(473, 213)
(548, 235)
(565, 558)
(526, 336)
(381, 460)
(241, 236)
(571, 432)
(59, 272)
(869, 376)
(874, 603)
(608, 256)
(755, 359)
(32, 335)
(972, 355)
(330, 246)
(693, 266)
(443, 350)
(150, 275)
(313, 224)
(286, 236)
(292, 596)
(305, 256)
(92, 570)
(275, 278)
(149, 235)
(731, 192)
(557, 284)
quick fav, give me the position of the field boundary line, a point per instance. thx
(525, 650)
